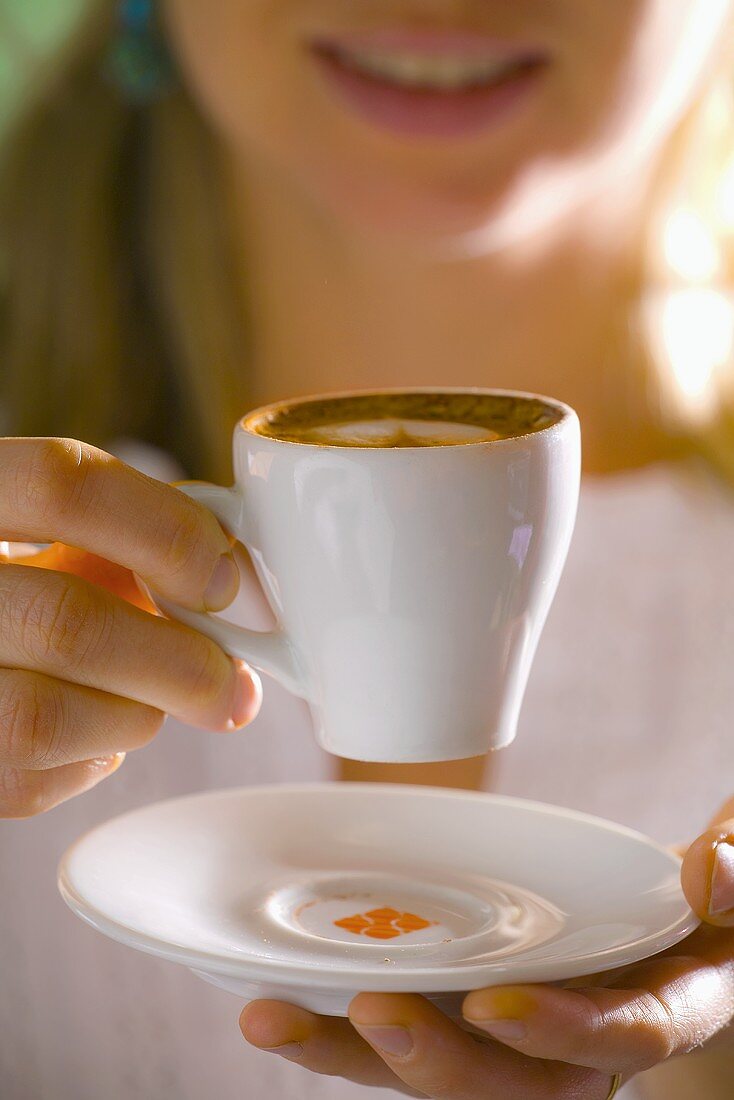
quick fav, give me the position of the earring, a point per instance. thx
(138, 62)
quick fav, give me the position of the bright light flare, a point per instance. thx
(692, 336)
(725, 198)
(689, 247)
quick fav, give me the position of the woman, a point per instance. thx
(211, 206)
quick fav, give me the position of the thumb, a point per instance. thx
(707, 874)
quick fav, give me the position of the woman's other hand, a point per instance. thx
(86, 672)
(538, 1042)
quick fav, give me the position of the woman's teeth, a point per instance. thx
(430, 73)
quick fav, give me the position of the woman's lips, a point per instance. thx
(429, 84)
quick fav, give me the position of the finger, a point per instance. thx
(62, 490)
(432, 1055)
(321, 1044)
(28, 793)
(707, 874)
(46, 723)
(96, 570)
(677, 1004)
(64, 627)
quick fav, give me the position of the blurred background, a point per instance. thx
(27, 29)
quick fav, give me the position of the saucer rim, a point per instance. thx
(348, 976)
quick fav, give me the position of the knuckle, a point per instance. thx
(64, 621)
(58, 479)
(29, 722)
(663, 1031)
(674, 1030)
(650, 1024)
(589, 1024)
(640, 1014)
(21, 794)
(208, 674)
(186, 545)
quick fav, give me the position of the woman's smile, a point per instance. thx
(429, 83)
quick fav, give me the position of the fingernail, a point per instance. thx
(223, 585)
(118, 759)
(722, 879)
(503, 1029)
(247, 696)
(111, 763)
(287, 1050)
(500, 1012)
(396, 1041)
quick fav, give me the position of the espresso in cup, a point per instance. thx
(404, 419)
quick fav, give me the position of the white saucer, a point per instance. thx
(310, 894)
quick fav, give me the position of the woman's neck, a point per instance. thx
(331, 311)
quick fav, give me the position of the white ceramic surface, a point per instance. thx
(410, 584)
(312, 893)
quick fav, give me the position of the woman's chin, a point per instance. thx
(408, 214)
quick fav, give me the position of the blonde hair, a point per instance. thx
(123, 313)
(122, 304)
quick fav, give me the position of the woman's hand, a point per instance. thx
(537, 1042)
(84, 675)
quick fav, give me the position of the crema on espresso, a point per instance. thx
(404, 419)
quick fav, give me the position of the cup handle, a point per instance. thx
(267, 651)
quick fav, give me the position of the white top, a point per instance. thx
(627, 715)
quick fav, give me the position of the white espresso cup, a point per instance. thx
(410, 583)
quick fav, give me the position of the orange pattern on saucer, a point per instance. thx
(383, 924)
